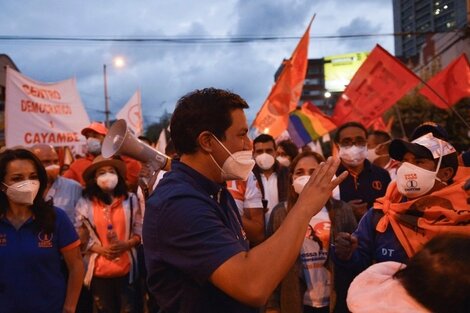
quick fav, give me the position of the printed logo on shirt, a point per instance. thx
(3, 240)
(377, 185)
(45, 240)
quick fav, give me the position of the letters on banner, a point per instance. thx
(43, 113)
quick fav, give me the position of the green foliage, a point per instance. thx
(153, 130)
(414, 109)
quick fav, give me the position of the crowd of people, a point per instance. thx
(238, 225)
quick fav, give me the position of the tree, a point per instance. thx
(153, 130)
(414, 109)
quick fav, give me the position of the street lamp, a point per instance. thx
(117, 62)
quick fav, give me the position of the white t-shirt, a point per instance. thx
(313, 258)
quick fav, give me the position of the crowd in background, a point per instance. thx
(72, 240)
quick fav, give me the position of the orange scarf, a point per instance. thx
(416, 221)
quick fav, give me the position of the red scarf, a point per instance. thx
(416, 221)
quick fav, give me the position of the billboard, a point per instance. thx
(339, 69)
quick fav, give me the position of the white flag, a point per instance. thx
(132, 113)
(36, 112)
(161, 143)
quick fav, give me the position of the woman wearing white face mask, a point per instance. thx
(110, 218)
(427, 198)
(308, 285)
(35, 238)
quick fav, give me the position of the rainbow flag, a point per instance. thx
(307, 123)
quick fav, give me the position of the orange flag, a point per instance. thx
(273, 117)
(377, 85)
(451, 84)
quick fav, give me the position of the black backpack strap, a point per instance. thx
(264, 201)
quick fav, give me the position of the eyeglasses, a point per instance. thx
(349, 142)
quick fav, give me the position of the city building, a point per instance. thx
(5, 61)
(418, 18)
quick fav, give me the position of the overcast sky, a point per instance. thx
(164, 71)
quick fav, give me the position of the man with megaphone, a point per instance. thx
(196, 252)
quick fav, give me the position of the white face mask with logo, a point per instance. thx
(107, 181)
(237, 166)
(283, 161)
(265, 161)
(23, 192)
(299, 183)
(414, 181)
(353, 155)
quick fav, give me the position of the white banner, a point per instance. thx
(132, 113)
(36, 112)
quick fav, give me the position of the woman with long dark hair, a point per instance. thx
(35, 238)
(112, 219)
(308, 286)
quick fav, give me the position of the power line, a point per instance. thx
(201, 40)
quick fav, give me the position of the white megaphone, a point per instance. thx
(120, 140)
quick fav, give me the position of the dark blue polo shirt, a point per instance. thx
(191, 227)
(369, 185)
(31, 279)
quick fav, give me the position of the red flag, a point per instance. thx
(273, 117)
(452, 84)
(377, 85)
(379, 124)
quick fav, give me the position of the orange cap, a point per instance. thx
(95, 127)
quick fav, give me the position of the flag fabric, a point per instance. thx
(377, 85)
(162, 142)
(451, 84)
(307, 124)
(379, 124)
(284, 96)
(43, 113)
(131, 112)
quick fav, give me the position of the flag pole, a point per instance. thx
(445, 101)
(402, 127)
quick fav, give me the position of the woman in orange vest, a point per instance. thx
(110, 222)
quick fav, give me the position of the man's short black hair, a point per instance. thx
(207, 109)
(384, 136)
(346, 125)
(264, 138)
(289, 147)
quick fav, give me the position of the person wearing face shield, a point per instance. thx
(36, 239)
(308, 286)
(378, 142)
(63, 192)
(196, 252)
(427, 198)
(265, 187)
(366, 181)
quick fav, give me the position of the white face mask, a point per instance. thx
(283, 161)
(23, 192)
(299, 183)
(237, 166)
(353, 155)
(107, 181)
(94, 145)
(414, 181)
(265, 161)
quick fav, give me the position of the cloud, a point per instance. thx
(164, 71)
